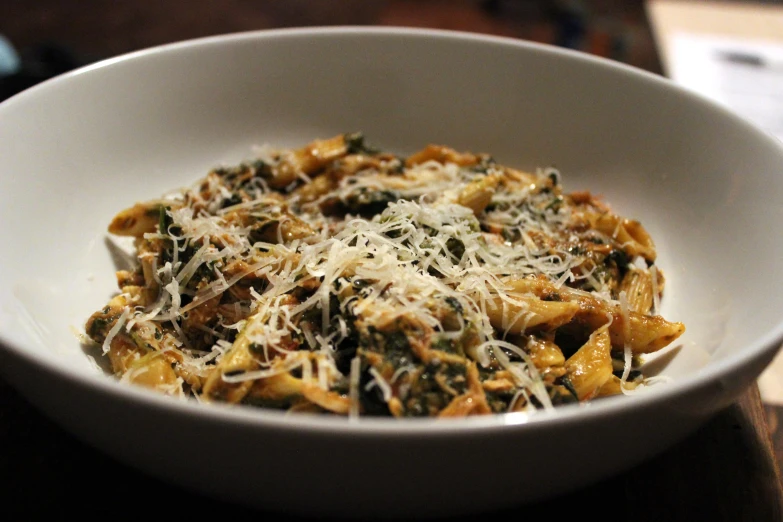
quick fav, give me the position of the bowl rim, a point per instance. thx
(765, 346)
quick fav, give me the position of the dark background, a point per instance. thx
(52, 36)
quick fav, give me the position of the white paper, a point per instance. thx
(744, 75)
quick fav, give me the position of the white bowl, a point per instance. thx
(75, 150)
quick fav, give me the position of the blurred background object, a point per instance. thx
(49, 37)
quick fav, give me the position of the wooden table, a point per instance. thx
(726, 471)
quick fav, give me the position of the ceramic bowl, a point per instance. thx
(76, 149)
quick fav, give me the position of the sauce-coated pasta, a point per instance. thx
(339, 279)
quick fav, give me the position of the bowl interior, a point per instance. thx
(76, 150)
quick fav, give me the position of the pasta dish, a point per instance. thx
(340, 279)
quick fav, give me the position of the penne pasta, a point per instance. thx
(338, 279)
(591, 366)
(518, 314)
(478, 193)
(638, 287)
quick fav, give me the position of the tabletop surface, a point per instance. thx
(726, 471)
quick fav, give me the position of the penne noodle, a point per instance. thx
(591, 366)
(638, 286)
(478, 193)
(521, 313)
(630, 234)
